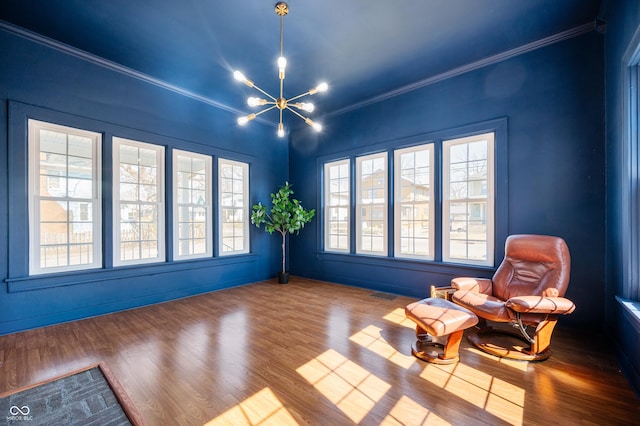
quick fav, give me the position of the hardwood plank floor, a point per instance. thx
(312, 352)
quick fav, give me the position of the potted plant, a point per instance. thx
(286, 216)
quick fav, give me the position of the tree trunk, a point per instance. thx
(284, 234)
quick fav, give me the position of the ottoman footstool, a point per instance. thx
(439, 317)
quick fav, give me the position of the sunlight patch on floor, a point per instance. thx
(513, 363)
(572, 380)
(408, 412)
(397, 316)
(263, 408)
(502, 399)
(371, 338)
(353, 389)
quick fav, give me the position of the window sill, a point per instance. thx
(632, 310)
(405, 263)
(37, 282)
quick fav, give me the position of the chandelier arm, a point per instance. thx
(281, 88)
(264, 93)
(297, 113)
(281, 71)
(299, 96)
(316, 126)
(264, 110)
(281, 26)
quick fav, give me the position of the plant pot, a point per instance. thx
(283, 277)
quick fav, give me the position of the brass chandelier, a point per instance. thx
(280, 102)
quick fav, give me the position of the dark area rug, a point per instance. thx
(91, 396)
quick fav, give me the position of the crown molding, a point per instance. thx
(97, 60)
(113, 66)
(490, 60)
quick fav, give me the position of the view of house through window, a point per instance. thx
(467, 201)
(191, 205)
(337, 206)
(371, 204)
(467, 208)
(64, 198)
(234, 207)
(414, 202)
(138, 207)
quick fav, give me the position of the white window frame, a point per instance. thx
(489, 199)
(159, 203)
(361, 204)
(630, 194)
(36, 195)
(414, 205)
(329, 206)
(245, 210)
(179, 204)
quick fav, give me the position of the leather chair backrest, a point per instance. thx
(534, 265)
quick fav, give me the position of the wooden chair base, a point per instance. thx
(427, 349)
(502, 349)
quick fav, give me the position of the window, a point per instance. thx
(446, 203)
(233, 187)
(83, 203)
(192, 230)
(337, 206)
(64, 199)
(138, 202)
(630, 193)
(468, 200)
(414, 207)
(371, 204)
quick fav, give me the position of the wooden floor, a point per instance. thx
(312, 352)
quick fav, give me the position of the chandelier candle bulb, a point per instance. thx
(282, 65)
(306, 106)
(240, 77)
(245, 119)
(322, 87)
(253, 102)
(316, 126)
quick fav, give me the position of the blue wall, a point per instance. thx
(553, 101)
(623, 21)
(46, 83)
(551, 98)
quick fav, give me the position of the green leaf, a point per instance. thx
(287, 216)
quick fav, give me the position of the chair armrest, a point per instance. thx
(541, 305)
(476, 285)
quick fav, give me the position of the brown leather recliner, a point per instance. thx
(526, 290)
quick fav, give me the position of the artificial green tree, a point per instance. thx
(287, 216)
